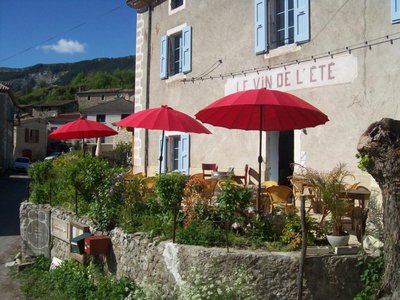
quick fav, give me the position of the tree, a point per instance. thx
(379, 147)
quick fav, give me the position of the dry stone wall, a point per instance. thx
(166, 264)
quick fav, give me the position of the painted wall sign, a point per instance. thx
(322, 72)
(60, 229)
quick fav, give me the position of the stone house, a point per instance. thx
(7, 106)
(340, 57)
(97, 96)
(108, 113)
(54, 108)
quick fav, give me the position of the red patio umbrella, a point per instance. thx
(81, 129)
(263, 110)
(163, 118)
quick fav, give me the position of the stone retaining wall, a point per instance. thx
(166, 264)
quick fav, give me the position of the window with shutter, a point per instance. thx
(176, 52)
(175, 153)
(26, 135)
(395, 10)
(280, 22)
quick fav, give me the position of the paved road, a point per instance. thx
(13, 190)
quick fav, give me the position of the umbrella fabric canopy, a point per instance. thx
(263, 110)
(163, 118)
(81, 129)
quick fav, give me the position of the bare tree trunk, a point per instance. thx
(381, 142)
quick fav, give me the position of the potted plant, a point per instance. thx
(330, 188)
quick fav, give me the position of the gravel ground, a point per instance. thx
(9, 287)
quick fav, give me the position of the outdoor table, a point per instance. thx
(354, 194)
(220, 175)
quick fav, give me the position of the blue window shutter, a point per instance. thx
(186, 58)
(395, 10)
(164, 161)
(183, 162)
(261, 25)
(164, 57)
(301, 21)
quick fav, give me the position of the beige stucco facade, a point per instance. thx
(354, 88)
(36, 146)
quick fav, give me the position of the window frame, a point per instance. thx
(172, 11)
(31, 136)
(184, 32)
(265, 24)
(274, 40)
(182, 150)
(395, 11)
(99, 117)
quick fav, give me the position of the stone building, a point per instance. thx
(54, 108)
(97, 96)
(7, 106)
(340, 56)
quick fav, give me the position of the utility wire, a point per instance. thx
(58, 35)
(361, 45)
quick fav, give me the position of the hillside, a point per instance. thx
(62, 73)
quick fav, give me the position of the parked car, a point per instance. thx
(53, 155)
(22, 163)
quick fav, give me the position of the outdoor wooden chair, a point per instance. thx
(148, 184)
(268, 183)
(242, 178)
(196, 176)
(300, 187)
(209, 189)
(281, 195)
(208, 169)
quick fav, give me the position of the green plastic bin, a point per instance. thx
(78, 243)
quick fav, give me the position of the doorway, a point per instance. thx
(286, 156)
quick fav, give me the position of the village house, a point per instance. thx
(7, 107)
(94, 97)
(339, 56)
(108, 113)
(30, 138)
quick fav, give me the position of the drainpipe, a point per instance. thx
(146, 136)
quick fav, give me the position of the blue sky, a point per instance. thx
(56, 31)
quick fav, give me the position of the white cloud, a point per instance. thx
(65, 46)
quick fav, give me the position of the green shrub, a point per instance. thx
(201, 232)
(122, 153)
(42, 179)
(291, 234)
(169, 189)
(72, 280)
(371, 276)
(156, 225)
(34, 279)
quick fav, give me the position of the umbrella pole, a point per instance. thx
(161, 152)
(259, 163)
(83, 145)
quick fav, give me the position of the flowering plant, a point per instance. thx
(195, 185)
